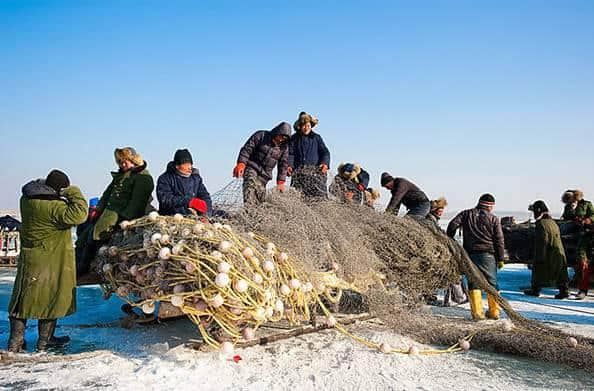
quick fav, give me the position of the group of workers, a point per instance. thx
(45, 285)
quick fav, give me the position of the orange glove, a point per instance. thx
(349, 195)
(587, 221)
(280, 186)
(324, 168)
(289, 171)
(238, 170)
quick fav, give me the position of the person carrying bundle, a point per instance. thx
(406, 193)
(350, 184)
(309, 158)
(126, 198)
(264, 150)
(45, 284)
(550, 265)
(483, 241)
(180, 188)
(581, 213)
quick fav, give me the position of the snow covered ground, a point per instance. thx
(153, 357)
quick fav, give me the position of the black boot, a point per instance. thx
(57, 341)
(16, 341)
(532, 292)
(45, 328)
(563, 293)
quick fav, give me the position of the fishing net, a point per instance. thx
(339, 253)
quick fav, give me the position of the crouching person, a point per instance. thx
(45, 284)
(180, 188)
(406, 193)
(264, 150)
(126, 198)
(350, 184)
(483, 241)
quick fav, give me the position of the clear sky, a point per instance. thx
(461, 97)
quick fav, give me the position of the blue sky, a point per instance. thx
(460, 97)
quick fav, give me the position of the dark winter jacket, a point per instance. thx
(307, 150)
(407, 193)
(481, 231)
(260, 154)
(175, 191)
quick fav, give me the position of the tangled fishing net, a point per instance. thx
(291, 257)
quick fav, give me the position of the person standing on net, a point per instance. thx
(309, 158)
(483, 241)
(406, 193)
(264, 150)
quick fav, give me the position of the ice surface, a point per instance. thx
(153, 357)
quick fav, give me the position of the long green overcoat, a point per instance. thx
(45, 284)
(550, 265)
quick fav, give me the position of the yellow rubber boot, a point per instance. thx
(493, 312)
(476, 304)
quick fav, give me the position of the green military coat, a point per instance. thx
(126, 198)
(45, 284)
(550, 265)
(584, 209)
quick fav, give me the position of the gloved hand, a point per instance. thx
(360, 187)
(199, 205)
(587, 221)
(349, 195)
(324, 168)
(289, 171)
(93, 215)
(280, 186)
(500, 264)
(238, 170)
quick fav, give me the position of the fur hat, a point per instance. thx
(578, 195)
(372, 194)
(439, 203)
(386, 178)
(303, 118)
(349, 171)
(128, 153)
(538, 207)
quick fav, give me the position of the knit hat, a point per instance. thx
(439, 203)
(386, 178)
(538, 207)
(487, 200)
(182, 156)
(130, 154)
(57, 180)
(303, 118)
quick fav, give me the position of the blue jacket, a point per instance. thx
(174, 191)
(308, 150)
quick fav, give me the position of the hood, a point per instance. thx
(38, 189)
(171, 169)
(281, 129)
(352, 175)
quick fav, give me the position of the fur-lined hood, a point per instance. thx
(304, 117)
(572, 196)
(349, 175)
(128, 153)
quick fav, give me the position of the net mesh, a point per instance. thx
(392, 264)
